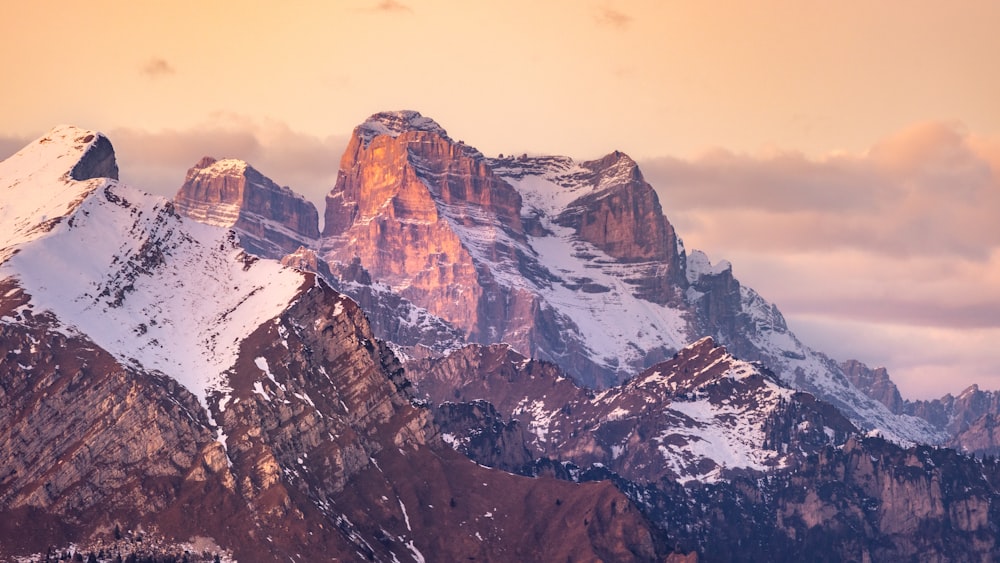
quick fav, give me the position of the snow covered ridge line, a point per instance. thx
(54, 160)
(121, 267)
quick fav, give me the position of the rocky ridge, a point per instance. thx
(698, 416)
(969, 419)
(722, 459)
(444, 246)
(272, 220)
(297, 438)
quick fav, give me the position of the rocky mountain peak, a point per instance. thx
(48, 179)
(405, 195)
(875, 383)
(622, 216)
(615, 168)
(394, 123)
(272, 220)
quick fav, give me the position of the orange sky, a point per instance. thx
(805, 141)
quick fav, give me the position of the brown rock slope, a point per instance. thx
(825, 493)
(327, 457)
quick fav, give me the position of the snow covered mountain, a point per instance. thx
(164, 390)
(569, 262)
(698, 416)
(160, 387)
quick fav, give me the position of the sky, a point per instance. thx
(844, 156)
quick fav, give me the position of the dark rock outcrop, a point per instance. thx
(98, 161)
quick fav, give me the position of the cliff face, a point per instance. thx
(875, 383)
(382, 212)
(272, 220)
(623, 218)
(404, 191)
(86, 439)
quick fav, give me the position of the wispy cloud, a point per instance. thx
(157, 67)
(613, 18)
(392, 6)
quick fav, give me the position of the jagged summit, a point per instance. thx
(272, 220)
(47, 179)
(394, 123)
(223, 166)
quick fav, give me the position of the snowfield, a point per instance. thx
(121, 267)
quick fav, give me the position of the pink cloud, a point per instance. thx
(157, 67)
(613, 18)
(925, 191)
(899, 246)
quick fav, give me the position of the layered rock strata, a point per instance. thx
(272, 220)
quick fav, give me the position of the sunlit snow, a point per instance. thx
(121, 267)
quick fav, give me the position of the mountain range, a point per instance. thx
(510, 358)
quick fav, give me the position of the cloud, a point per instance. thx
(891, 256)
(156, 161)
(392, 6)
(928, 190)
(950, 293)
(925, 363)
(156, 67)
(613, 18)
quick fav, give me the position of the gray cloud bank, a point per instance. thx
(157, 161)
(899, 246)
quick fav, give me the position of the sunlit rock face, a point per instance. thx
(623, 218)
(272, 220)
(404, 188)
(445, 228)
(420, 212)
